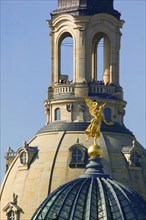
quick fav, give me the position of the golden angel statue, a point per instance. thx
(93, 130)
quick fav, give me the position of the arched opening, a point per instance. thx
(101, 58)
(57, 114)
(66, 58)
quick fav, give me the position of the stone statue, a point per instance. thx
(93, 130)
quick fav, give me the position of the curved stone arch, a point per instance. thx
(68, 25)
(80, 146)
(109, 19)
(106, 52)
(103, 23)
(93, 31)
(110, 27)
(60, 26)
(94, 35)
(62, 34)
(98, 28)
(63, 20)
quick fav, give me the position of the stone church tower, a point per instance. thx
(58, 152)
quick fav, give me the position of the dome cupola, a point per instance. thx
(92, 196)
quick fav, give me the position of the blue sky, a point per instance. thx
(26, 68)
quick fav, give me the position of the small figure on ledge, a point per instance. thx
(93, 130)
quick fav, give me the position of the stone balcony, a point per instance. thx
(101, 88)
(107, 91)
(10, 155)
(64, 90)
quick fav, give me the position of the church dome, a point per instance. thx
(57, 154)
(92, 196)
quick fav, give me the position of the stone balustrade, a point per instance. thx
(68, 89)
(64, 89)
(97, 88)
(10, 154)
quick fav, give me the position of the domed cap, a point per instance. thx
(86, 7)
(92, 196)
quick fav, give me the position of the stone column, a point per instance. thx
(80, 56)
(115, 50)
(106, 75)
(56, 59)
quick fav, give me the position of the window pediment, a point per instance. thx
(12, 209)
(27, 155)
(132, 154)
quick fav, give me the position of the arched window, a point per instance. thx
(57, 115)
(66, 65)
(11, 215)
(23, 158)
(107, 114)
(78, 156)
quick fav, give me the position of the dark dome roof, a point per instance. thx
(81, 126)
(86, 7)
(92, 196)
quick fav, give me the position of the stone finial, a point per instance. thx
(15, 197)
(133, 143)
(77, 140)
(25, 144)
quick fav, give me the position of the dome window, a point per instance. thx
(78, 156)
(27, 155)
(23, 158)
(57, 114)
(12, 209)
(133, 155)
(135, 159)
(107, 114)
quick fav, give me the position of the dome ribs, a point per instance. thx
(117, 213)
(103, 205)
(92, 198)
(88, 206)
(78, 205)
